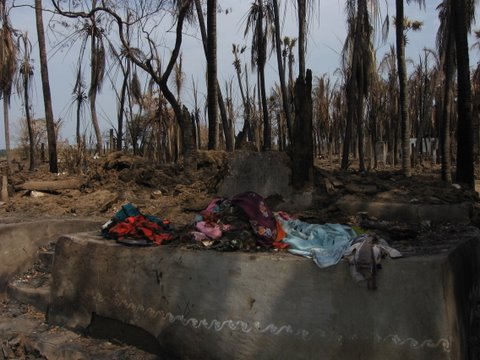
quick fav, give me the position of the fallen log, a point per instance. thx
(52, 185)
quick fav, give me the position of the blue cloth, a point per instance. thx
(325, 244)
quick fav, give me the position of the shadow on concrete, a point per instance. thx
(118, 331)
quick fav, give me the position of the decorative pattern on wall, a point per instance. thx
(138, 311)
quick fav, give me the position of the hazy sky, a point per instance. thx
(324, 46)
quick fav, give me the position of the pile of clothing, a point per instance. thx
(130, 227)
(242, 222)
(245, 222)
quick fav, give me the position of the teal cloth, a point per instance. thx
(325, 243)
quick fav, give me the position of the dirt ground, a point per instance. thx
(164, 191)
(25, 335)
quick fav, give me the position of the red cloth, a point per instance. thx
(138, 227)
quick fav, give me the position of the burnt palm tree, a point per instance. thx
(92, 39)
(97, 71)
(24, 88)
(302, 148)
(358, 56)
(245, 133)
(281, 68)
(402, 79)
(212, 87)
(425, 79)
(462, 13)
(302, 29)
(446, 50)
(47, 97)
(8, 68)
(476, 98)
(229, 141)
(79, 99)
(388, 66)
(259, 17)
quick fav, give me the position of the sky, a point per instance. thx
(327, 34)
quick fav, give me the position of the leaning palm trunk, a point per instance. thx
(189, 151)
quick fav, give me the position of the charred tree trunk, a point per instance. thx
(465, 167)
(31, 140)
(229, 140)
(47, 97)
(445, 114)
(212, 85)
(404, 103)
(302, 150)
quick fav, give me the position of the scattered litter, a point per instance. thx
(37, 194)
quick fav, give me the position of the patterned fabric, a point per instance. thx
(244, 219)
(259, 215)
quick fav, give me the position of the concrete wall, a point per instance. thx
(266, 173)
(415, 213)
(19, 242)
(211, 305)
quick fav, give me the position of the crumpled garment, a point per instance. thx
(244, 219)
(212, 230)
(259, 215)
(325, 243)
(365, 255)
(129, 226)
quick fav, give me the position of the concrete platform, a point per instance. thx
(411, 213)
(211, 305)
(19, 242)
